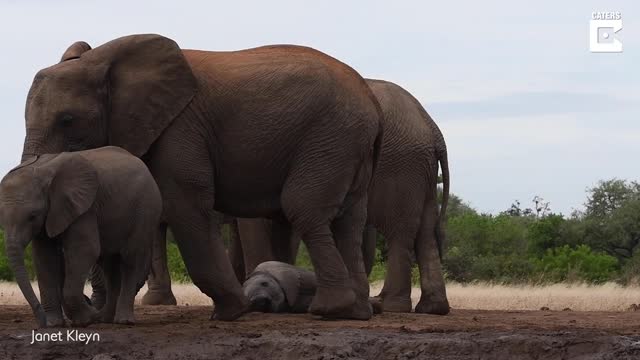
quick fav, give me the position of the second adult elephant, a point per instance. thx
(402, 206)
(275, 131)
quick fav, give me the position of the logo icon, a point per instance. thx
(603, 32)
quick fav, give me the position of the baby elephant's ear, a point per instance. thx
(75, 50)
(72, 192)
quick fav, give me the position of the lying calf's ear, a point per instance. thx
(71, 193)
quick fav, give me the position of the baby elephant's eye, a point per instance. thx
(32, 217)
(264, 283)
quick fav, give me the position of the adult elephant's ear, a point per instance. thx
(71, 193)
(75, 50)
(149, 83)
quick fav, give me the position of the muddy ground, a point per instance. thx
(186, 333)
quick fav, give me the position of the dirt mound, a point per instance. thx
(186, 333)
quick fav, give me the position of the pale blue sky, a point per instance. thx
(525, 107)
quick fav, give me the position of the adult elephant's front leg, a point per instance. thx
(159, 281)
(188, 201)
(198, 236)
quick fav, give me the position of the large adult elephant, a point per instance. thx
(402, 206)
(275, 131)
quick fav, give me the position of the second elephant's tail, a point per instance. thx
(440, 232)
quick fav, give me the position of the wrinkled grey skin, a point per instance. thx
(78, 209)
(402, 206)
(280, 287)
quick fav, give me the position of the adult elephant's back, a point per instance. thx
(270, 107)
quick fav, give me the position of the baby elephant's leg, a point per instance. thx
(81, 251)
(134, 268)
(128, 290)
(48, 261)
(111, 271)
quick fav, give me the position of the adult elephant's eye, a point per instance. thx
(66, 120)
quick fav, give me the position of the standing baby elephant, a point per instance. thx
(82, 208)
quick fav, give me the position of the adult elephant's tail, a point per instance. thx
(440, 232)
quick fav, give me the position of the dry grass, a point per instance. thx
(578, 297)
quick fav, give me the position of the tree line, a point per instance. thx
(522, 244)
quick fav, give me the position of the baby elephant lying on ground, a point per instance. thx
(81, 208)
(280, 287)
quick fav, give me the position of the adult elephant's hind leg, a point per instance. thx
(159, 281)
(433, 299)
(347, 230)
(98, 287)
(310, 201)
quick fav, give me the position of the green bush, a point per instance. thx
(579, 264)
(303, 260)
(177, 269)
(5, 270)
(545, 233)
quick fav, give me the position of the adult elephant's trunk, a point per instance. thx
(15, 252)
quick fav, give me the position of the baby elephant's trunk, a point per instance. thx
(15, 252)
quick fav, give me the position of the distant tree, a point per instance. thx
(458, 207)
(610, 195)
(540, 208)
(612, 218)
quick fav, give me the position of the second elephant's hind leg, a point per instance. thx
(369, 248)
(396, 292)
(433, 299)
